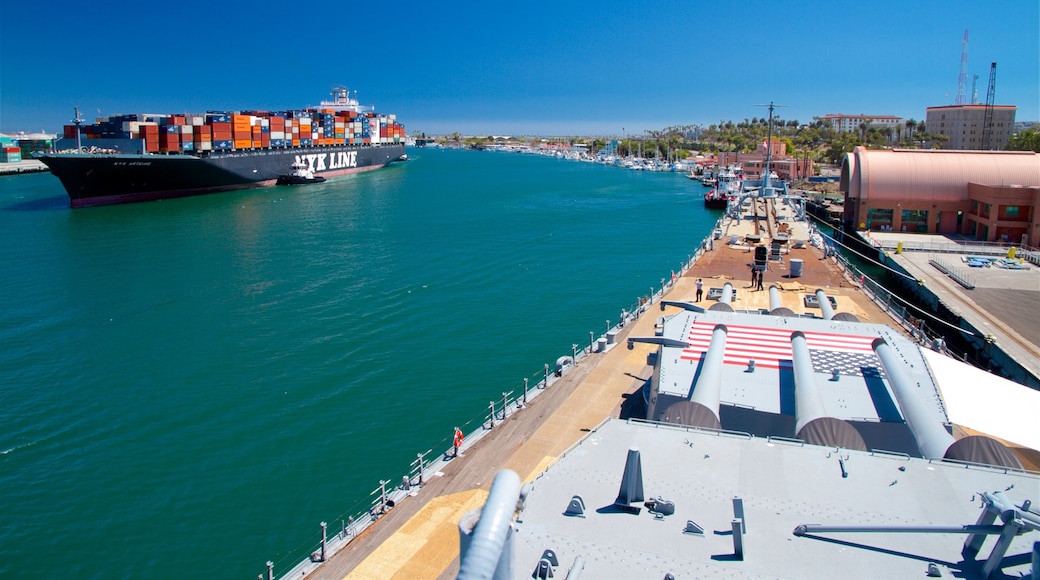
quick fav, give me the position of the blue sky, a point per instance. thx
(551, 68)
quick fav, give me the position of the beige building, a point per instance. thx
(963, 124)
(842, 123)
(992, 195)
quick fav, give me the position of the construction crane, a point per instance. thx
(962, 80)
(987, 124)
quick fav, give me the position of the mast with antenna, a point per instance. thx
(962, 79)
(766, 185)
(78, 121)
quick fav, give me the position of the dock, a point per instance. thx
(999, 303)
(418, 537)
(24, 166)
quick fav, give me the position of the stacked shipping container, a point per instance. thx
(217, 131)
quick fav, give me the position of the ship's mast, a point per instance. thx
(769, 147)
(78, 121)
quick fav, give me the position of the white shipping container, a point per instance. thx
(278, 134)
(204, 145)
(198, 120)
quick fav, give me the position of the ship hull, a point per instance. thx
(109, 179)
(715, 202)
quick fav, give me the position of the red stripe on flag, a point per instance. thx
(768, 346)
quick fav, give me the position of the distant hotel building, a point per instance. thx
(843, 123)
(963, 125)
(786, 167)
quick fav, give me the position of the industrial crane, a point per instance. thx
(987, 124)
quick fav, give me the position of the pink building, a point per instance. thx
(992, 195)
(786, 167)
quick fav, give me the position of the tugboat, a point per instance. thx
(301, 175)
(727, 186)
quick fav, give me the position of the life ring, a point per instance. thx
(458, 438)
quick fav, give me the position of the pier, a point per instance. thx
(24, 166)
(997, 305)
(418, 537)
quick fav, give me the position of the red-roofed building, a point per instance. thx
(992, 195)
(842, 123)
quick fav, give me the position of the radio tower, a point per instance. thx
(962, 79)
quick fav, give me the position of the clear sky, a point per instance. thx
(606, 67)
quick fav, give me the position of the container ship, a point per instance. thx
(139, 157)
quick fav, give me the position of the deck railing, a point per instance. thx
(514, 399)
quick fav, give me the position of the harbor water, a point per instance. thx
(189, 387)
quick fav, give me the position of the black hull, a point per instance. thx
(714, 203)
(298, 180)
(108, 179)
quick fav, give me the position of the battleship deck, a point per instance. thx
(419, 537)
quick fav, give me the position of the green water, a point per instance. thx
(188, 387)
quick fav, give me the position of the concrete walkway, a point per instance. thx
(24, 166)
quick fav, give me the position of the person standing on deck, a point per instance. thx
(700, 289)
(761, 274)
(457, 442)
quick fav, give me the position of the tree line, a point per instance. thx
(818, 141)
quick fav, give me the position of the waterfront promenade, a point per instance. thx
(418, 538)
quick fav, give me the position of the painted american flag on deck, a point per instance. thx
(771, 348)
